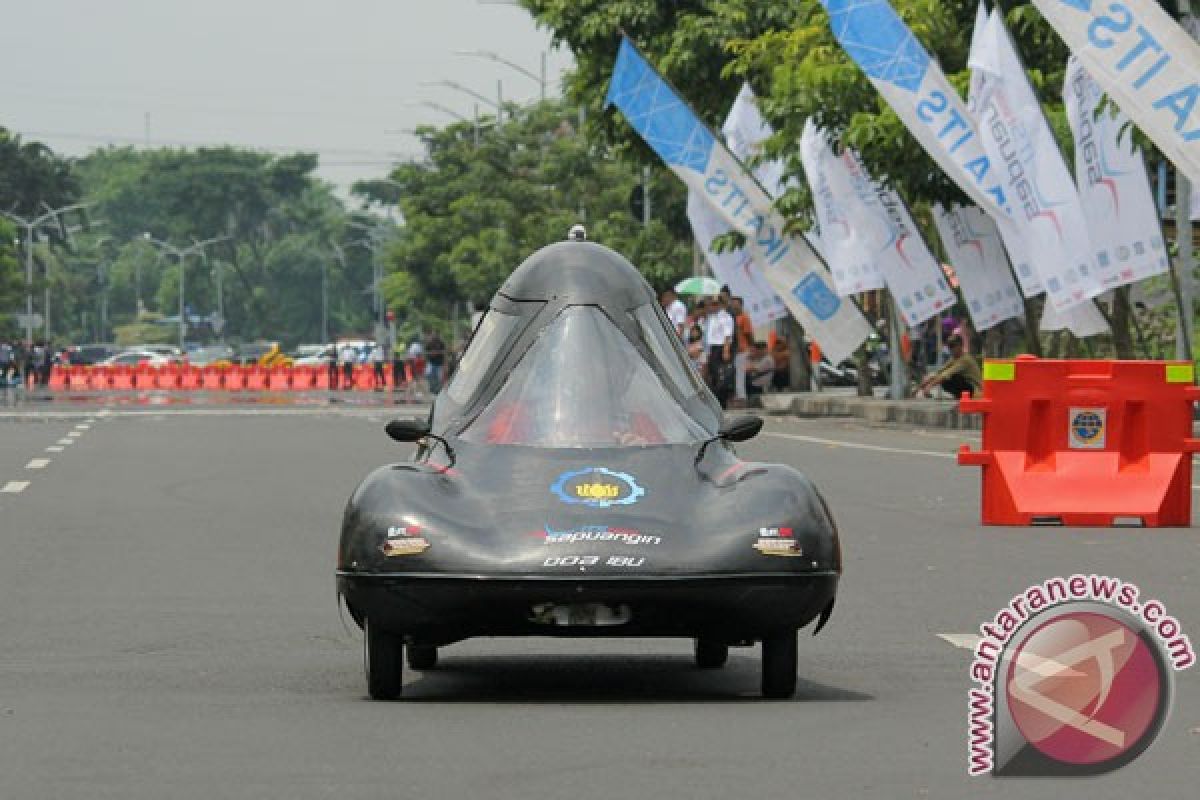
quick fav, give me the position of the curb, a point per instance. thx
(873, 411)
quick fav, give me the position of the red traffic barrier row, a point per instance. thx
(1093, 443)
(211, 378)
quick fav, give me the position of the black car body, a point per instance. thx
(575, 478)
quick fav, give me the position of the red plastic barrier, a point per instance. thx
(190, 377)
(320, 377)
(279, 379)
(100, 378)
(122, 377)
(256, 379)
(211, 378)
(77, 378)
(1093, 443)
(58, 377)
(303, 378)
(235, 379)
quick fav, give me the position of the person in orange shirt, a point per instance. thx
(743, 330)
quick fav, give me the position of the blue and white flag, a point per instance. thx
(1145, 61)
(974, 249)
(1015, 134)
(1121, 216)
(704, 164)
(846, 242)
(917, 90)
(745, 131)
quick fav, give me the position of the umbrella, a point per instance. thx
(698, 286)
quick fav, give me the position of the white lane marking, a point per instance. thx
(83, 426)
(14, 487)
(964, 641)
(860, 446)
(37, 463)
(74, 434)
(361, 412)
(1046, 667)
(66, 441)
(53, 449)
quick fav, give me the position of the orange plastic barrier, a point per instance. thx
(279, 379)
(122, 377)
(58, 377)
(235, 379)
(256, 379)
(190, 377)
(77, 378)
(99, 378)
(210, 378)
(1093, 443)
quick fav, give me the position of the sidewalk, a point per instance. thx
(911, 412)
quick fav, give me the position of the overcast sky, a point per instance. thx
(282, 75)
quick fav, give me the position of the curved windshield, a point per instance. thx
(583, 384)
(494, 330)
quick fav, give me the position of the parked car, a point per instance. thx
(88, 354)
(307, 357)
(131, 358)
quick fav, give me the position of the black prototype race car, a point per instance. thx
(575, 478)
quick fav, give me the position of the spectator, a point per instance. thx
(781, 354)
(332, 363)
(695, 348)
(348, 355)
(718, 338)
(7, 355)
(676, 310)
(435, 353)
(742, 340)
(960, 374)
(415, 358)
(377, 358)
(760, 369)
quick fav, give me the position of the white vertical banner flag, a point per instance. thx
(911, 273)
(734, 268)
(882, 229)
(845, 242)
(1047, 210)
(974, 249)
(704, 164)
(1145, 61)
(745, 131)
(1121, 216)
(917, 90)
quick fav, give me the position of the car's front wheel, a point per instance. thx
(711, 654)
(383, 660)
(779, 665)
(422, 656)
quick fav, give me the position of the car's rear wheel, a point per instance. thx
(422, 656)
(711, 654)
(383, 660)
(779, 665)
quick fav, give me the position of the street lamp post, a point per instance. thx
(499, 59)
(181, 254)
(29, 225)
(498, 102)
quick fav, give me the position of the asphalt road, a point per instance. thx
(168, 629)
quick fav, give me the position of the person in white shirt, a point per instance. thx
(348, 355)
(718, 337)
(377, 358)
(676, 310)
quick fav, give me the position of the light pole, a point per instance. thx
(491, 56)
(29, 225)
(181, 254)
(498, 103)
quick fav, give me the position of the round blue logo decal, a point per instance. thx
(597, 487)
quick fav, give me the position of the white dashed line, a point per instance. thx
(965, 641)
(66, 441)
(54, 449)
(74, 434)
(14, 487)
(37, 463)
(83, 427)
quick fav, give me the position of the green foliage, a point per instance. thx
(33, 178)
(474, 212)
